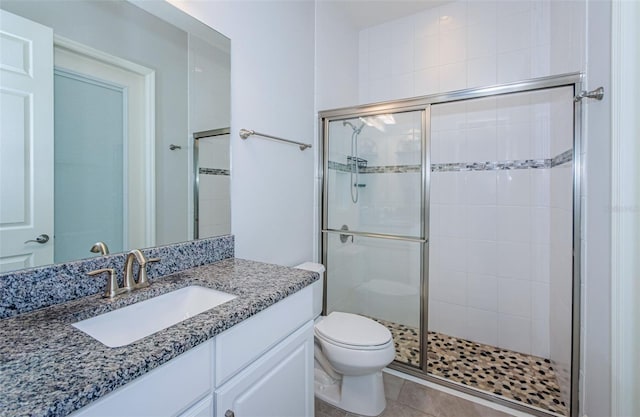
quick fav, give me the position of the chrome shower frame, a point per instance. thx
(196, 172)
(574, 80)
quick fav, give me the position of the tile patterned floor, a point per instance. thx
(408, 399)
(524, 378)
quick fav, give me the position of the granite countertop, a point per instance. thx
(49, 368)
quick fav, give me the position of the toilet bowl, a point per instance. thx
(350, 353)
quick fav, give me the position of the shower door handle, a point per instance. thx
(42, 239)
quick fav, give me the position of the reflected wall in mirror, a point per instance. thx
(100, 103)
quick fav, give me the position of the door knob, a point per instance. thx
(42, 239)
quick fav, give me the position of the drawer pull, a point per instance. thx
(229, 413)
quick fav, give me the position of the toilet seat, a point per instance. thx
(351, 331)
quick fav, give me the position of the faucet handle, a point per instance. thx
(143, 280)
(112, 284)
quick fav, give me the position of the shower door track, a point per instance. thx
(424, 103)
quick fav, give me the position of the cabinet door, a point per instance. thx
(203, 409)
(279, 384)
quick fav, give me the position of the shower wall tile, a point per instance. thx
(451, 145)
(449, 187)
(517, 41)
(402, 57)
(456, 217)
(481, 257)
(482, 326)
(448, 289)
(426, 52)
(540, 338)
(514, 333)
(514, 297)
(453, 16)
(453, 76)
(481, 40)
(540, 187)
(481, 144)
(514, 32)
(449, 317)
(540, 301)
(514, 224)
(540, 225)
(427, 81)
(514, 187)
(514, 260)
(482, 292)
(481, 72)
(481, 12)
(481, 222)
(481, 188)
(513, 141)
(540, 259)
(453, 252)
(453, 46)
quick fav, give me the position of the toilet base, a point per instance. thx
(362, 395)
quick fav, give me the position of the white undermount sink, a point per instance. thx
(128, 324)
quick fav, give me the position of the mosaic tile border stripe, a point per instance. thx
(492, 166)
(563, 158)
(214, 171)
(383, 169)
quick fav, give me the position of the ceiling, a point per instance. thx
(365, 13)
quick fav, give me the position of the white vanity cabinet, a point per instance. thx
(261, 367)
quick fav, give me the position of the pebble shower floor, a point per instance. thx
(524, 378)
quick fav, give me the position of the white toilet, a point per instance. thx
(350, 352)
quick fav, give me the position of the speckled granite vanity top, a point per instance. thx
(49, 368)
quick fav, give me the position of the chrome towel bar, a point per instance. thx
(245, 133)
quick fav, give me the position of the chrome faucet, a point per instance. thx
(129, 279)
(100, 247)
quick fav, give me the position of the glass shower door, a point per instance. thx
(373, 230)
(500, 261)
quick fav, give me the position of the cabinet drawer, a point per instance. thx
(165, 391)
(239, 346)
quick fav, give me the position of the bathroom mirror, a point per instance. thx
(133, 82)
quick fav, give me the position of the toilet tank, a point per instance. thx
(318, 286)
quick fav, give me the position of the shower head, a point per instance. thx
(356, 130)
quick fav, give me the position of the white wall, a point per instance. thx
(336, 60)
(272, 91)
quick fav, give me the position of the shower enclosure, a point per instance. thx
(453, 220)
(211, 186)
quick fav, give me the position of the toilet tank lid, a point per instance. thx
(311, 266)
